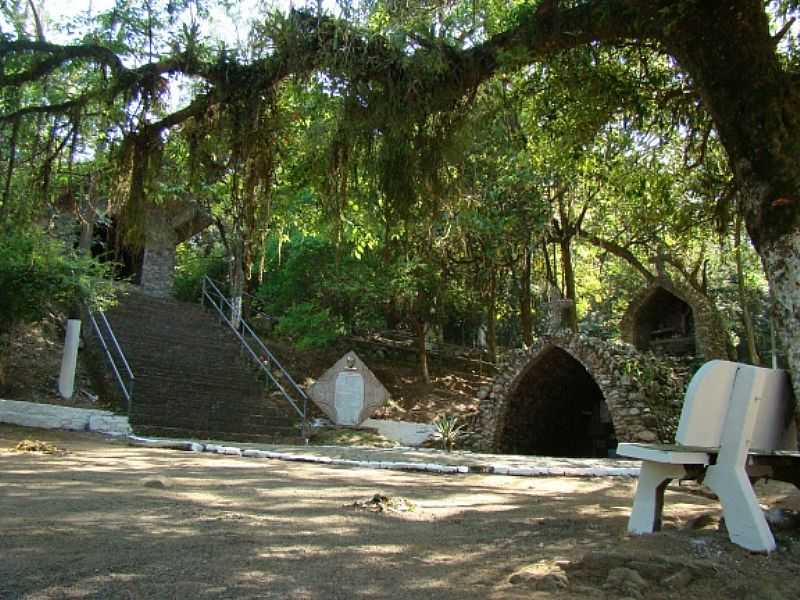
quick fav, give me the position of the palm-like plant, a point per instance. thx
(448, 430)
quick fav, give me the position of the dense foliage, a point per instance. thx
(449, 167)
(38, 275)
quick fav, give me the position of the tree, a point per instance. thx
(742, 70)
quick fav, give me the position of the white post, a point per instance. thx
(69, 361)
(236, 312)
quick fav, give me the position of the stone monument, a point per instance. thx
(557, 309)
(348, 392)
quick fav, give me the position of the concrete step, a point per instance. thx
(280, 436)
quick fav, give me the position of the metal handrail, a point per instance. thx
(127, 390)
(117, 346)
(268, 358)
(245, 295)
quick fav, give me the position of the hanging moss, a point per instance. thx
(139, 164)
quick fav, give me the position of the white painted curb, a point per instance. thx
(498, 469)
(51, 416)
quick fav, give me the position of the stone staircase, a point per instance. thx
(191, 379)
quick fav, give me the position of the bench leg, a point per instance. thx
(744, 519)
(649, 500)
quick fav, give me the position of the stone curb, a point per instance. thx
(51, 416)
(490, 469)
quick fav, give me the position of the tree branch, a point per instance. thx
(620, 252)
(58, 56)
(47, 109)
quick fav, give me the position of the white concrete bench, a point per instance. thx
(737, 425)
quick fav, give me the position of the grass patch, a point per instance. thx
(334, 436)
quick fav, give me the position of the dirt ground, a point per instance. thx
(451, 390)
(32, 363)
(105, 520)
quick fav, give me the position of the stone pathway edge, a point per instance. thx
(490, 469)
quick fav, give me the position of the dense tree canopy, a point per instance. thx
(469, 142)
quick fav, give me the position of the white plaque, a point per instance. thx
(349, 397)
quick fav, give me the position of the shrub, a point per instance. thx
(39, 274)
(448, 431)
(350, 289)
(310, 326)
(191, 266)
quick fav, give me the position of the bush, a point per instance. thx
(309, 326)
(350, 289)
(449, 430)
(39, 274)
(191, 266)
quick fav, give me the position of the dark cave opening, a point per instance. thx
(665, 325)
(558, 410)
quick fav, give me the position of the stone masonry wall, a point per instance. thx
(158, 268)
(710, 336)
(644, 393)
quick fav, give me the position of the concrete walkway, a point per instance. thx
(409, 459)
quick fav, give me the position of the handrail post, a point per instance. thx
(304, 430)
(203, 292)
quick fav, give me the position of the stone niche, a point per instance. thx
(576, 396)
(667, 318)
(348, 393)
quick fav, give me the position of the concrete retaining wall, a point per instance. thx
(50, 416)
(404, 432)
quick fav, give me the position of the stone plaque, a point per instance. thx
(349, 392)
(348, 397)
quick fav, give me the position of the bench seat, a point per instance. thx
(736, 426)
(668, 453)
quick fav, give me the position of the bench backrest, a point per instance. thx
(709, 397)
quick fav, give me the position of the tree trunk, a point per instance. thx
(4, 342)
(569, 282)
(747, 319)
(12, 156)
(422, 350)
(88, 216)
(236, 276)
(781, 258)
(491, 318)
(754, 101)
(550, 275)
(525, 315)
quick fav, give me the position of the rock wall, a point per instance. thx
(644, 393)
(166, 226)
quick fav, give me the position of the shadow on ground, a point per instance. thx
(106, 520)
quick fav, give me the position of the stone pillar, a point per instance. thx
(557, 309)
(158, 268)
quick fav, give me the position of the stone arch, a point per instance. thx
(540, 391)
(557, 409)
(669, 318)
